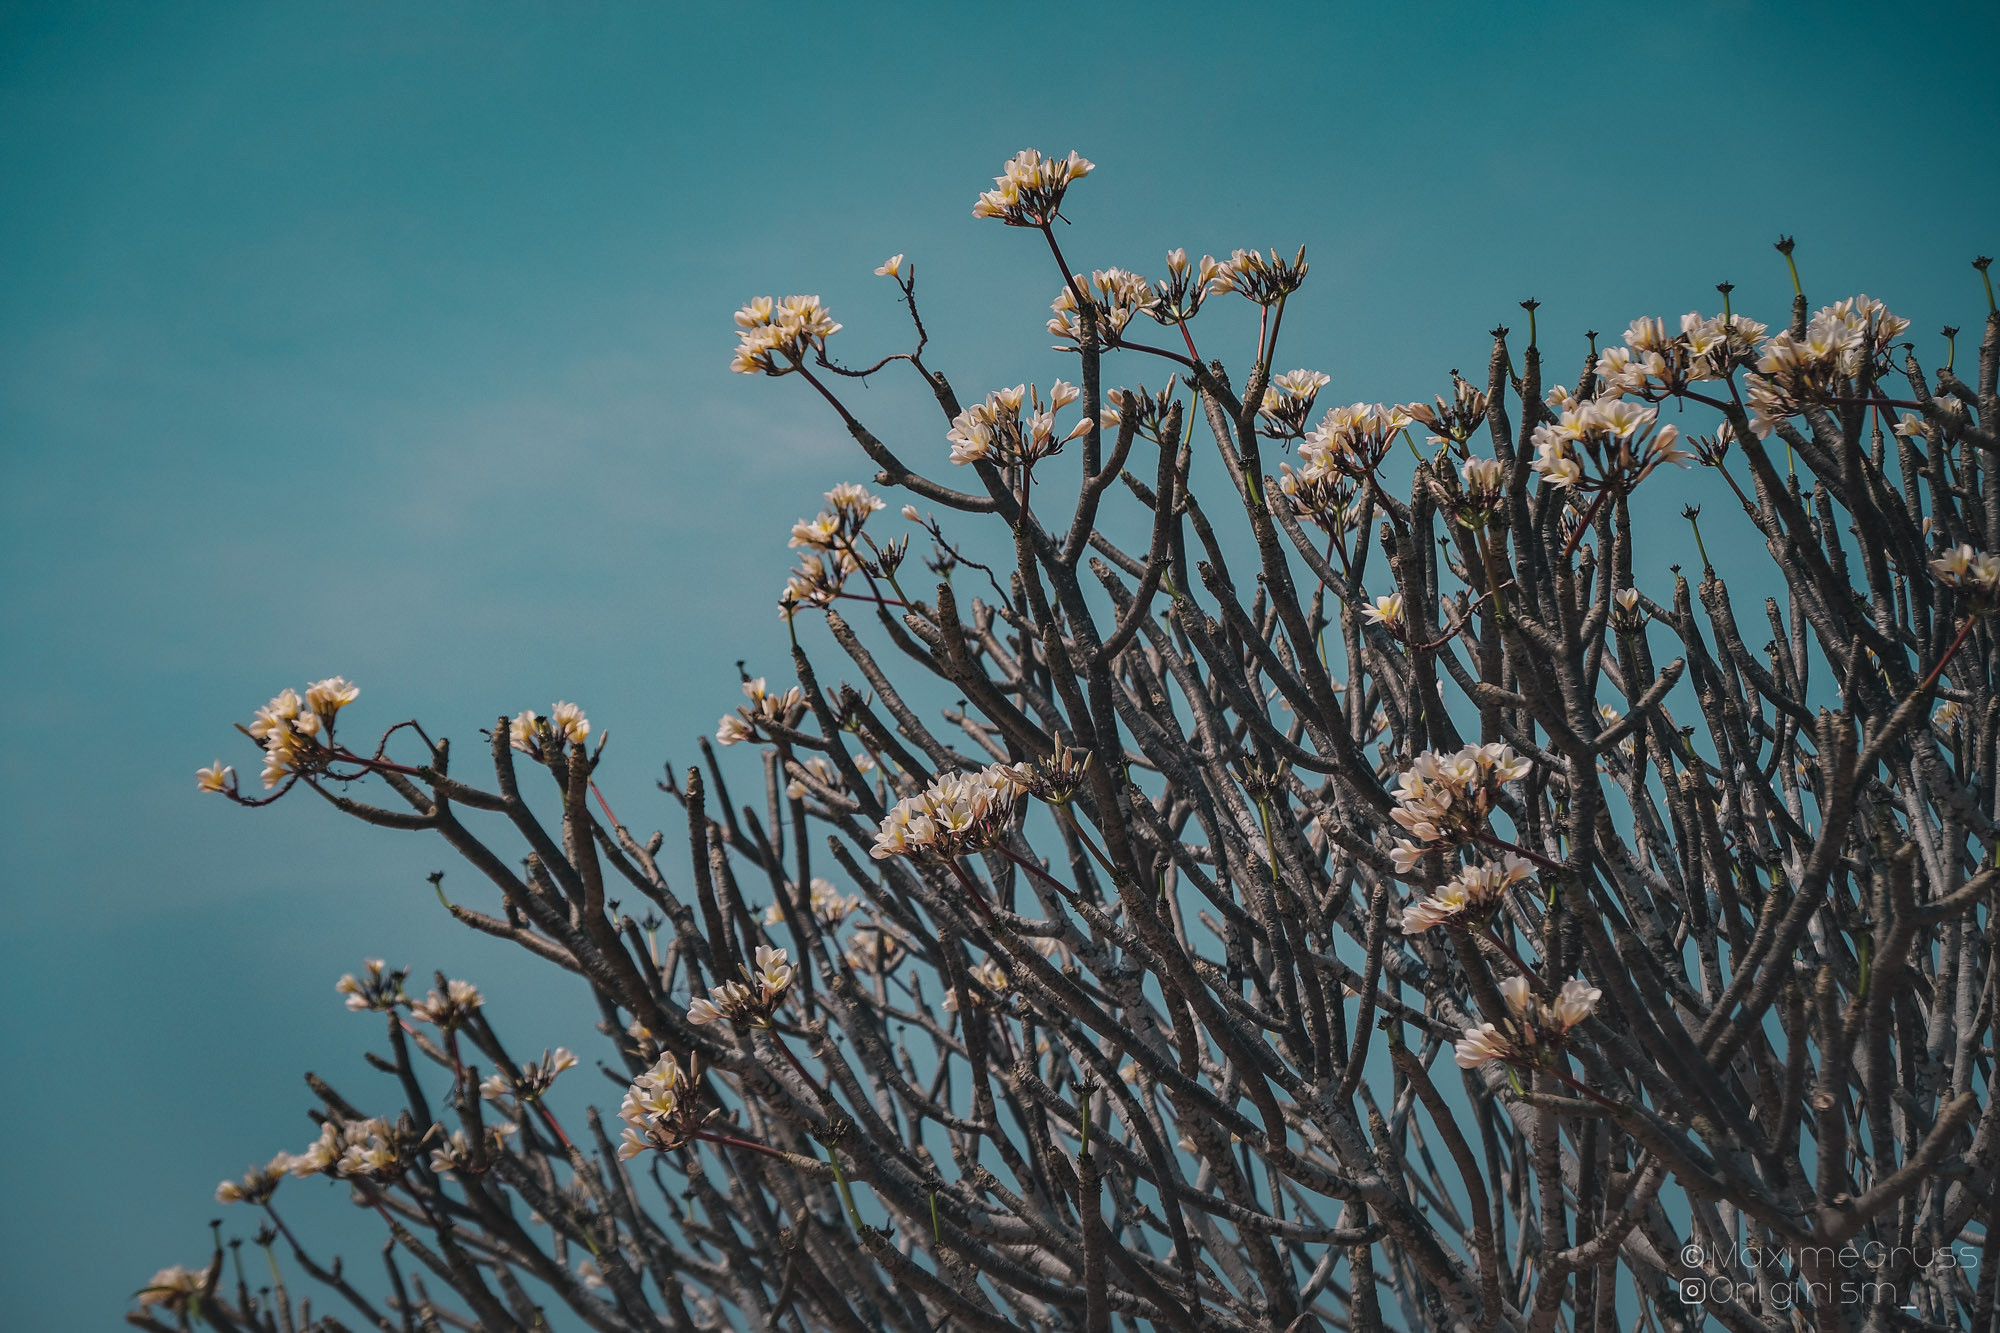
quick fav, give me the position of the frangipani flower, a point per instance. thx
(660, 1110)
(1029, 191)
(750, 1005)
(958, 813)
(1534, 1031)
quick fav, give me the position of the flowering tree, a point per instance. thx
(1345, 909)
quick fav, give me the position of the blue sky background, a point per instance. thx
(392, 341)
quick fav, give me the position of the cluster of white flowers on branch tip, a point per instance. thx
(530, 729)
(1468, 896)
(296, 733)
(449, 1008)
(1178, 296)
(258, 1184)
(1029, 191)
(996, 431)
(1840, 341)
(1969, 571)
(376, 988)
(1116, 294)
(660, 1109)
(1151, 414)
(1536, 1028)
(956, 814)
(1288, 401)
(1651, 361)
(765, 707)
(832, 545)
(371, 1149)
(1445, 799)
(1264, 281)
(1455, 421)
(775, 337)
(752, 1001)
(176, 1288)
(1352, 440)
(825, 901)
(1618, 436)
(455, 1153)
(535, 1077)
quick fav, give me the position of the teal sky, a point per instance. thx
(392, 341)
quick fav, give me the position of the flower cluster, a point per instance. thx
(775, 338)
(449, 1008)
(296, 733)
(826, 902)
(995, 431)
(370, 1149)
(1288, 401)
(958, 813)
(455, 1153)
(1117, 295)
(1352, 440)
(1969, 571)
(1445, 799)
(1178, 296)
(530, 731)
(375, 988)
(1838, 343)
(660, 1108)
(1265, 281)
(1535, 1030)
(178, 1288)
(832, 545)
(1483, 479)
(258, 1184)
(1617, 436)
(1029, 192)
(1650, 361)
(784, 710)
(1149, 412)
(534, 1079)
(1456, 420)
(1468, 897)
(747, 1005)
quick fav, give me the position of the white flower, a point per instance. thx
(733, 730)
(1474, 891)
(1385, 610)
(1481, 1044)
(891, 267)
(1029, 191)
(218, 777)
(329, 696)
(1963, 567)
(567, 721)
(775, 337)
(959, 812)
(659, 1108)
(450, 1008)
